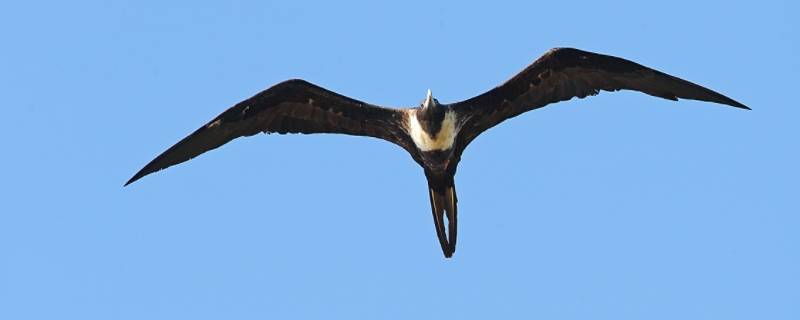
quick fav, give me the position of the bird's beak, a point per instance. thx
(428, 100)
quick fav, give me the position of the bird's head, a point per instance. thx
(431, 111)
(430, 102)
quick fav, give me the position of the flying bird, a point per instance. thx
(434, 134)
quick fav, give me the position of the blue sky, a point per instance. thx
(620, 206)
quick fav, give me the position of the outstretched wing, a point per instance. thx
(564, 73)
(293, 106)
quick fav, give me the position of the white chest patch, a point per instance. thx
(443, 139)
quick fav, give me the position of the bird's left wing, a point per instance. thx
(293, 106)
(565, 73)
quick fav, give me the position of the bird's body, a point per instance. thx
(434, 134)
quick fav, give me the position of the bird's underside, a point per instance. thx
(434, 134)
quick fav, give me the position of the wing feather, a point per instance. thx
(564, 73)
(293, 106)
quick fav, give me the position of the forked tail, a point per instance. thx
(444, 205)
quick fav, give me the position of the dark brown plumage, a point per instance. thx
(293, 106)
(435, 135)
(565, 73)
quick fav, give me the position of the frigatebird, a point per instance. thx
(435, 134)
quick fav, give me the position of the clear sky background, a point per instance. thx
(620, 206)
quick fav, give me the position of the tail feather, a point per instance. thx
(452, 216)
(444, 204)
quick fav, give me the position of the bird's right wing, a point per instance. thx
(564, 73)
(293, 106)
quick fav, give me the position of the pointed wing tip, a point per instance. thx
(671, 96)
(732, 103)
(132, 180)
(735, 104)
(138, 176)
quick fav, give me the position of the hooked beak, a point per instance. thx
(428, 100)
